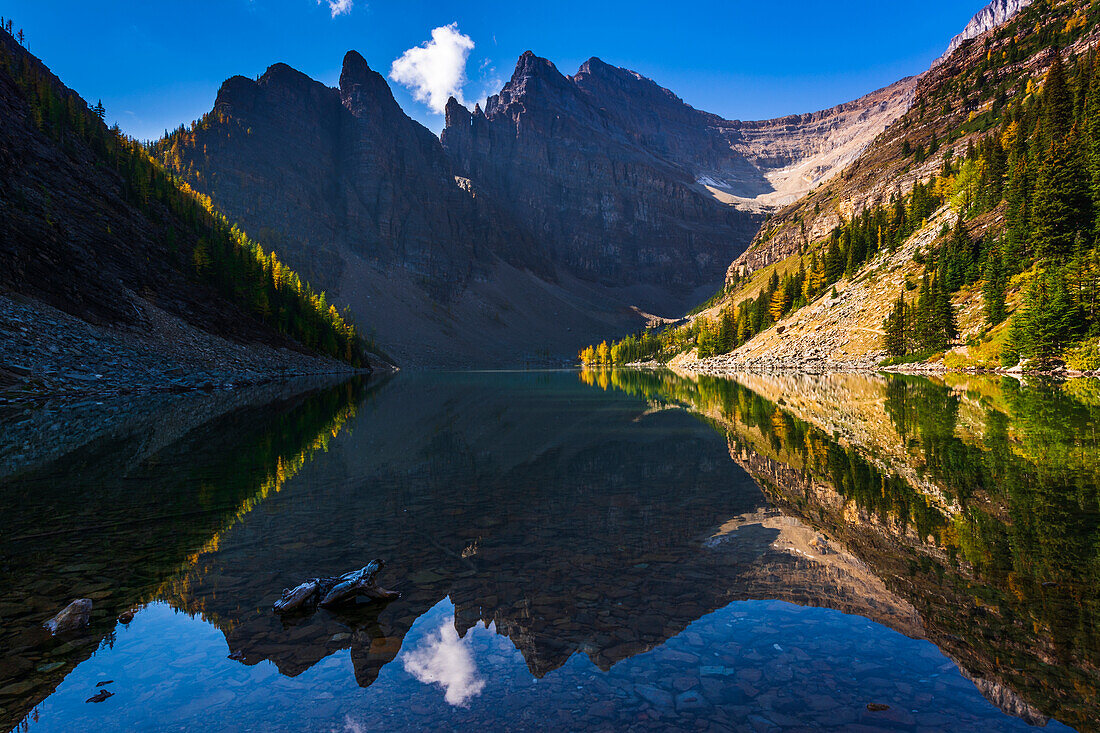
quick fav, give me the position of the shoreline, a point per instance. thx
(854, 367)
(48, 354)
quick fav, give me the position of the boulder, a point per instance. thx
(76, 615)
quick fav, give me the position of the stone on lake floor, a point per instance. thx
(655, 696)
(690, 700)
(76, 615)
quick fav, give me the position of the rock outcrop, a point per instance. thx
(986, 19)
(76, 615)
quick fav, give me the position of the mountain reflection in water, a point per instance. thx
(575, 557)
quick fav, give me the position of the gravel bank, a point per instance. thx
(46, 352)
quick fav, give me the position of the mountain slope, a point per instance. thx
(112, 274)
(971, 207)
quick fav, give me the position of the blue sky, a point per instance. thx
(157, 63)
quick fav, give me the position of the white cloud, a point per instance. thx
(435, 70)
(338, 7)
(445, 660)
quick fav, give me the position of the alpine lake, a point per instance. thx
(594, 550)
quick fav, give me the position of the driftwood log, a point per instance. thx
(326, 592)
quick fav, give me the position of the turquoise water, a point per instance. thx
(572, 553)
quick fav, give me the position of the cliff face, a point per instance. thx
(599, 187)
(796, 153)
(535, 227)
(622, 179)
(367, 203)
(338, 170)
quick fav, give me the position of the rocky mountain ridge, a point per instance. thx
(996, 13)
(545, 221)
(879, 169)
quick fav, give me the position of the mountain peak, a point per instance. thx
(594, 65)
(354, 63)
(531, 65)
(533, 74)
(284, 74)
(603, 79)
(238, 94)
(992, 15)
(456, 113)
(355, 70)
(359, 82)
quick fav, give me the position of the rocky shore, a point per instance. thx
(809, 364)
(46, 352)
(814, 364)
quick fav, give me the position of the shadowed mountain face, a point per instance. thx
(342, 172)
(570, 161)
(363, 199)
(635, 164)
(534, 226)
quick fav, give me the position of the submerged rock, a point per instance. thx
(76, 615)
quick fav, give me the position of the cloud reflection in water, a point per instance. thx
(444, 659)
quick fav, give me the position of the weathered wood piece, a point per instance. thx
(328, 592)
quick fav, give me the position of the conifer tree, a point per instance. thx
(924, 316)
(1062, 202)
(993, 290)
(1057, 104)
(895, 327)
(946, 323)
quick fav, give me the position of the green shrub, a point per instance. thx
(1084, 356)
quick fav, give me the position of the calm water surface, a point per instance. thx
(614, 550)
